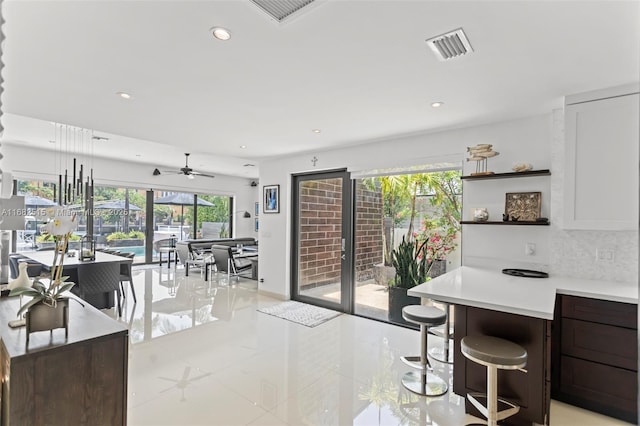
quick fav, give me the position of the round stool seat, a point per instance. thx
(493, 351)
(420, 314)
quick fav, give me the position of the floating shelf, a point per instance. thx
(529, 173)
(472, 222)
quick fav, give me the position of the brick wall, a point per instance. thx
(368, 232)
(321, 230)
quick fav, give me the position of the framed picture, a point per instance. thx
(257, 209)
(271, 199)
(523, 206)
(256, 228)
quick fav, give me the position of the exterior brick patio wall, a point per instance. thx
(368, 233)
(320, 232)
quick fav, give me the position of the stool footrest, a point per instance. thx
(415, 362)
(502, 414)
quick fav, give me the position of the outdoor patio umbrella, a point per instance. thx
(37, 202)
(118, 205)
(182, 199)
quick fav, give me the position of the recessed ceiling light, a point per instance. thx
(243, 146)
(124, 95)
(437, 104)
(221, 33)
(316, 130)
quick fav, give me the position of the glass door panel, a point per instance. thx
(321, 243)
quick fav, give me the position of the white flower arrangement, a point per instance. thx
(62, 222)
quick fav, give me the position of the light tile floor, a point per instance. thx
(201, 354)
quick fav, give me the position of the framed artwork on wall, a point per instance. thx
(256, 228)
(523, 206)
(271, 199)
(257, 210)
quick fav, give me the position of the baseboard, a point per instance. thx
(274, 295)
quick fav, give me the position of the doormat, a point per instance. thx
(300, 313)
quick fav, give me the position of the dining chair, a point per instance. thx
(33, 270)
(96, 278)
(126, 274)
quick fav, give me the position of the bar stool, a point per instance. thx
(443, 354)
(494, 353)
(423, 383)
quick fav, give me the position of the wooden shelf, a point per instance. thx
(471, 222)
(529, 173)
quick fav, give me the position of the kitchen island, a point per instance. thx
(522, 310)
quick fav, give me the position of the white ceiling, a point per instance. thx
(358, 70)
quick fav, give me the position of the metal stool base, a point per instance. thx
(505, 408)
(425, 385)
(438, 354)
(415, 362)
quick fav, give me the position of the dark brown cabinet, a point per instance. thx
(81, 380)
(595, 357)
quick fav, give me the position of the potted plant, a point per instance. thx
(412, 268)
(48, 308)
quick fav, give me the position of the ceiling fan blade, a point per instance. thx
(202, 174)
(174, 172)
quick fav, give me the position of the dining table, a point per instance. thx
(70, 269)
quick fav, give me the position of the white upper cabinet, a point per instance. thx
(601, 159)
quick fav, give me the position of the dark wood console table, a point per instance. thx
(81, 380)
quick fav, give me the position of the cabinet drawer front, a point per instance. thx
(601, 311)
(606, 386)
(606, 344)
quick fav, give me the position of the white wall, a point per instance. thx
(27, 163)
(517, 141)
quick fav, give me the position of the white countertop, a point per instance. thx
(534, 297)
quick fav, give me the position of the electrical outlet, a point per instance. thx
(605, 255)
(530, 249)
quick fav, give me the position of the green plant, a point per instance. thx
(412, 267)
(42, 293)
(46, 237)
(133, 235)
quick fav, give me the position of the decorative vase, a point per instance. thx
(43, 317)
(480, 214)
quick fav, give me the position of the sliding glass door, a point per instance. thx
(322, 240)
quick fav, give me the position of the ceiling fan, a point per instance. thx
(186, 170)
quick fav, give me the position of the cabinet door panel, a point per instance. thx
(600, 387)
(601, 181)
(601, 343)
(600, 311)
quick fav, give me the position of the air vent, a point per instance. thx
(281, 9)
(450, 45)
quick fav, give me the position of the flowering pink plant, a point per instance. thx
(439, 243)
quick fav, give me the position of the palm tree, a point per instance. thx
(394, 192)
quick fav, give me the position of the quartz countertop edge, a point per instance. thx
(534, 297)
